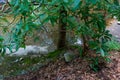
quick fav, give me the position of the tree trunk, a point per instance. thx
(85, 45)
(62, 28)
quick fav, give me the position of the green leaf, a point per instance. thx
(76, 4)
(93, 1)
(93, 44)
(1, 39)
(26, 27)
(3, 51)
(72, 22)
(102, 52)
(66, 1)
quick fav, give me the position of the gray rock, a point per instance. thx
(1, 77)
(78, 41)
(29, 50)
(69, 56)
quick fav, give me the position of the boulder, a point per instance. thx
(29, 50)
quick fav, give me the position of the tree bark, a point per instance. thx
(62, 28)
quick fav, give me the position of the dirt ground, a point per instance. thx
(76, 70)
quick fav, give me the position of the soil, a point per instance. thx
(78, 69)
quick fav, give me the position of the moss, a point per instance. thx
(12, 65)
(17, 65)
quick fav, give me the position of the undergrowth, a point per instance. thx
(113, 45)
(17, 65)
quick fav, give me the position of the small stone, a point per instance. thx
(78, 42)
(69, 56)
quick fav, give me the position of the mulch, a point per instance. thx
(78, 69)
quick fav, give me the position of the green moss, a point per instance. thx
(16, 65)
(55, 54)
(12, 65)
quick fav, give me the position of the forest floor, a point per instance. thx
(78, 69)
